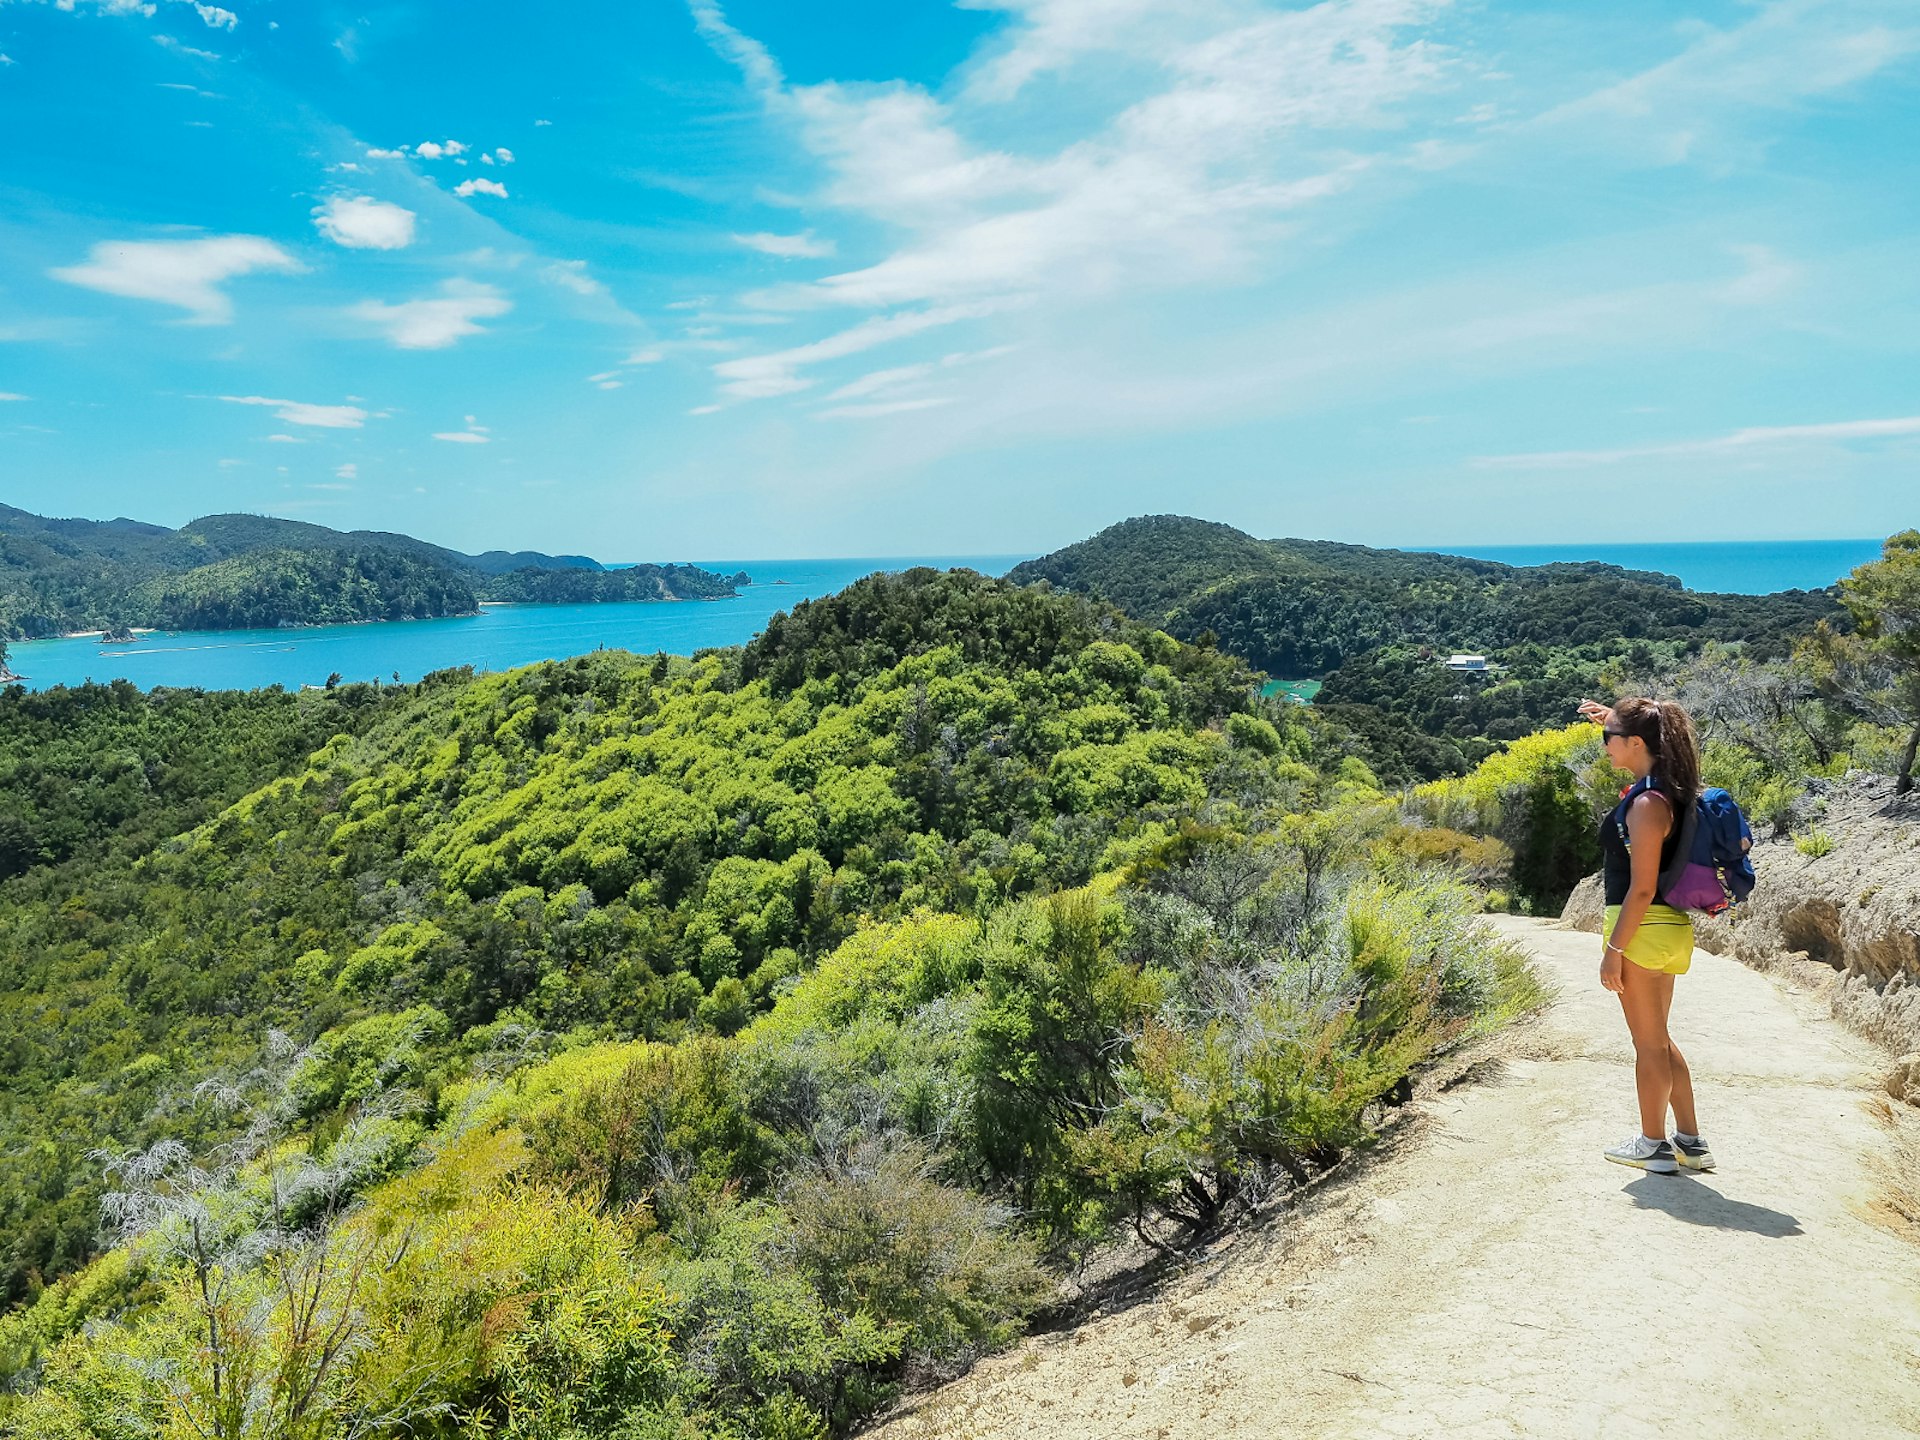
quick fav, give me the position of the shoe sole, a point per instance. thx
(1700, 1165)
(1654, 1167)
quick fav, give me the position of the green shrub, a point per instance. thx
(1814, 844)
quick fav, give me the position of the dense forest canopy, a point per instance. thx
(242, 571)
(1378, 625)
(608, 842)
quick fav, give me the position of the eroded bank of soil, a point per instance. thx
(1492, 1276)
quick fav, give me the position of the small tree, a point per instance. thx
(1876, 670)
(253, 1237)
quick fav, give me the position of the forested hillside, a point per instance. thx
(1376, 625)
(243, 571)
(638, 1046)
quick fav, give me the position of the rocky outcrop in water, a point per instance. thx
(1842, 895)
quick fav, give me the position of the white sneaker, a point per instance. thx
(1644, 1154)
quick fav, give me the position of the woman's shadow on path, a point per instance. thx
(1695, 1201)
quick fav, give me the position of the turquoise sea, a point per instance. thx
(1742, 567)
(499, 638)
(509, 635)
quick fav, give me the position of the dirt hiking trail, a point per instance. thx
(1491, 1275)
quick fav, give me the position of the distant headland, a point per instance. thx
(117, 577)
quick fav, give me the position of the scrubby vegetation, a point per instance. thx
(649, 1047)
(246, 571)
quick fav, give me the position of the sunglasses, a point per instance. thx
(1606, 735)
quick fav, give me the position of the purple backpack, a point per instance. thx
(1710, 870)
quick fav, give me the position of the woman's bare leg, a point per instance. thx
(1684, 1120)
(1645, 1000)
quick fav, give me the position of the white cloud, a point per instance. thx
(435, 149)
(883, 407)
(8, 60)
(881, 381)
(299, 412)
(8, 396)
(361, 223)
(435, 322)
(167, 42)
(215, 17)
(348, 471)
(789, 247)
(504, 155)
(485, 158)
(481, 186)
(472, 435)
(1053, 34)
(756, 377)
(1688, 108)
(572, 275)
(285, 440)
(645, 357)
(1753, 437)
(184, 273)
(538, 123)
(1242, 117)
(378, 154)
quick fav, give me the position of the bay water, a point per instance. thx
(504, 636)
(499, 638)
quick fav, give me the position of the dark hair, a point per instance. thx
(1667, 730)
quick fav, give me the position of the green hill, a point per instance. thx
(1378, 625)
(636, 1046)
(242, 571)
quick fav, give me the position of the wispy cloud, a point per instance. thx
(788, 247)
(882, 407)
(348, 471)
(757, 377)
(183, 273)
(1249, 119)
(435, 322)
(360, 223)
(1753, 438)
(8, 395)
(299, 412)
(474, 434)
(572, 275)
(1690, 107)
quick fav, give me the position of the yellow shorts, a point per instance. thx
(1664, 941)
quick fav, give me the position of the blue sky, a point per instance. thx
(671, 278)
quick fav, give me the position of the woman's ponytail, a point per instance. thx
(1679, 751)
(1668, 732)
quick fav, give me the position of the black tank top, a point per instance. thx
(1616, 874)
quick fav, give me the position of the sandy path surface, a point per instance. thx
(1492, 1276)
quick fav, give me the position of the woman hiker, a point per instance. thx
(1648, 943)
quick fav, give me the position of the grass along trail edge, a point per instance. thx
(1488, 1274)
